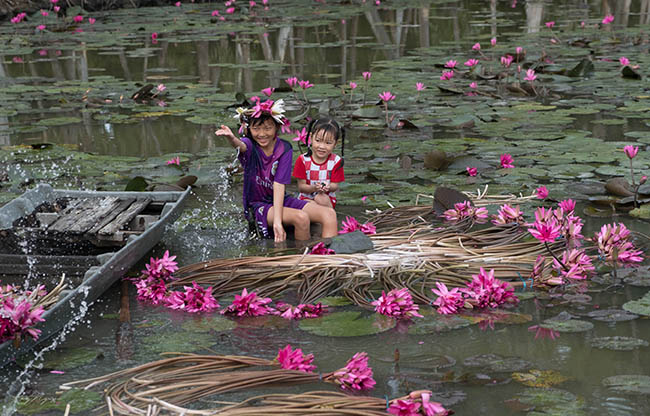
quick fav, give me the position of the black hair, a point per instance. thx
(328, 125)
(257, 120)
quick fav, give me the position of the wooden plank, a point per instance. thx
(121, 220)
(123, 205)
(72, 214)
(87, 220)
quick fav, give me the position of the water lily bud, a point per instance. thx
(643, 179)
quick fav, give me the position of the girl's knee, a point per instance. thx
(301, 220)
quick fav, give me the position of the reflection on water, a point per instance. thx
(247, 62)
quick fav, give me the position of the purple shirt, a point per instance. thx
(275, 168)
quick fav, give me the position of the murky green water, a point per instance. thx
(571, 147)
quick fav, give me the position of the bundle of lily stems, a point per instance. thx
(165, 386)
(409, 251)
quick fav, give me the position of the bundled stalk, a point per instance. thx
(188, 378)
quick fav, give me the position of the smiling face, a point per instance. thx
(322, 145)
(264, 133)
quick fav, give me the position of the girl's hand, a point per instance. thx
(280, 234)
(325, 188)
(225, 131)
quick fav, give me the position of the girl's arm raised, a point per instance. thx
(232, 139)
(278, 205)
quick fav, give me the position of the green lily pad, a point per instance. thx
(540, 378)
(347, 324)
(497, 363)
(571, 325)
(334, 301)
(612, 315)
(642, 212)
(639, 307)
(58, 121)
(66, 358)
(210, 323)
(618, 343)
(432, 322)
(551, 401)
(78, 399)
(633, 384)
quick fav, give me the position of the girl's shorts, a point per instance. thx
(260, 212)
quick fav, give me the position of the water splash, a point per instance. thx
(17, 388)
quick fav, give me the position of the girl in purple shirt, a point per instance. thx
(267, 170)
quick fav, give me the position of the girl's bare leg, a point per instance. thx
(324, 200)
(296, 217)
(324, 216)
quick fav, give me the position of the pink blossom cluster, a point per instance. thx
(17, 314)
(615, 247)
(152, 290)
(262, 107)
(19, 17)
(463, 210)
(484, 291)
(350, 224)
(248, 304)
(162, 268)
(397, 303)
(320, 249)
(293, 81)
(418, 403)
(291, 359)
(550, 224)
(508, 215)
(303, 310)
(356, 375)
(195, 299)
(577, 265)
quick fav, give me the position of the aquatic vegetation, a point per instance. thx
(397, 303)
(291, 359)
(19, 313)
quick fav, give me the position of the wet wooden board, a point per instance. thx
(87, 219)
(72, 214)
(121, 206)
(124, 217)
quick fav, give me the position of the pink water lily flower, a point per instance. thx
(631, 151)
(486, 291)
(291, 359)
(530, 75)
(45, 13)
(268, 91)
(419, 86)
(447, 75)
(41, 27)
(493, 41)
(471, 171)
(542, 192)
(230, 10)
(473, 85)
(292, 82)
(177, 4)
(451, 64)
(161, 88)
(550, 24)
(320, 249)
(545, 231)
(397, 303)
(477, 46)
(471, 62)
(303, 310)
(174, 161)
(448, 301)
(356, 375)
(305, 84)
(78, 19)
(404, 408)
(215, 13)
(195, 299)
(506, 161)
(301, 136)
(608, 19)
(366, 76)
(248, 304)
(386, 96)
(353, 85)
(624, 61)
(568, 205)
(92, 20)
(506, 61)
(154, 36)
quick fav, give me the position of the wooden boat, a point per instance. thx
(92, 237)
